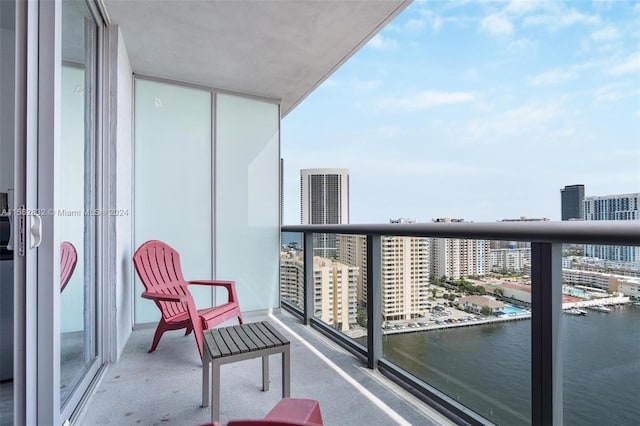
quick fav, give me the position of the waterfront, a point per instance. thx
(487, 367)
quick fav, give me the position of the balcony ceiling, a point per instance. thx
(276, 49)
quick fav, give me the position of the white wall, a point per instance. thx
(122, 154)
(173, 181)
(247, 227)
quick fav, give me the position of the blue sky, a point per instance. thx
(477, 110)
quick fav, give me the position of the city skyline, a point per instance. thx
(477, 110)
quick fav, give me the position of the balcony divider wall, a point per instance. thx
(206, 169)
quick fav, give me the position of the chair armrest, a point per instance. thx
(213, 282)
(229, 285)
(165, 297)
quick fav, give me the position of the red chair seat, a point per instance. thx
(304, 411)
(287, 412)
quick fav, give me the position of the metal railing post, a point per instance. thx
(546, 309)
(308, 277)
(374, 300)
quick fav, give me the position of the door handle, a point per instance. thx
(10, 242)
(36, 231)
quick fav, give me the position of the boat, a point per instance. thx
(601, 308)
(575, 311)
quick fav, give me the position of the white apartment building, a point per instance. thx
(324, 198)
(509, 259)
(405, 273)
(603, 280)
(292, 277)
(335, 292)
(352, 250)
(456, 258)
(331, 279)
(613, 207)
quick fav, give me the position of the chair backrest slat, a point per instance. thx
(68, 260)
(158, 267)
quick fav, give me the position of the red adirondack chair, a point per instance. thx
(68, 260)
(158, 266)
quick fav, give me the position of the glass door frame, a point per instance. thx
(37, 301)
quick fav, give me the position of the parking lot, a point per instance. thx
(439, 315)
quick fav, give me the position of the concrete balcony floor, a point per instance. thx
(164, 387)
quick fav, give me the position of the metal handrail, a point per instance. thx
(612, 232)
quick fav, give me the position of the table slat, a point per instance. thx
(246, 339)
(265, 334)
(237, 338)
(254, 334)
(225, 333)
(276, 333)
(220, 345)
(264, 342)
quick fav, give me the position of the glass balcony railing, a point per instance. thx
(526, 332)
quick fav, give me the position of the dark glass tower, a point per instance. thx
(572, 198)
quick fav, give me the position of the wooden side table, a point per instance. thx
(237, 343)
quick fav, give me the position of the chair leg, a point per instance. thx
(188, 331)
(240, 319)
(158, 334)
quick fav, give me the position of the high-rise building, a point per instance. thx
(572, 202)
(405, 272)
(456, 258)
(335, 293)
(507, 260)
(613, 207)
(324, 200)
(334, 284)
(292, 277)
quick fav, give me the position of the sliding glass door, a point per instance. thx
(77, 212)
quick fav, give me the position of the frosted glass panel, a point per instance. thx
(247, 199)
(173, 181)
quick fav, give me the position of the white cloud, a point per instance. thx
(415, 25)
(528, 120)
(631, 64)
(379, 42)
(605, 34)
(497, 24)
(521, 44)
(615, 92)
(562, 19)
(521, 7)
(552, 77)
(366, 85)
(423, 100)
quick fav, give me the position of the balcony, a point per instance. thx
(164, 388)
(330, 366)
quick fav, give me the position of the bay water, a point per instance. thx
(487, 367)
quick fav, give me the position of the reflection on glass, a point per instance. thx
(339, 288)
(77, 197)
(7, 186)
(292, 268)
